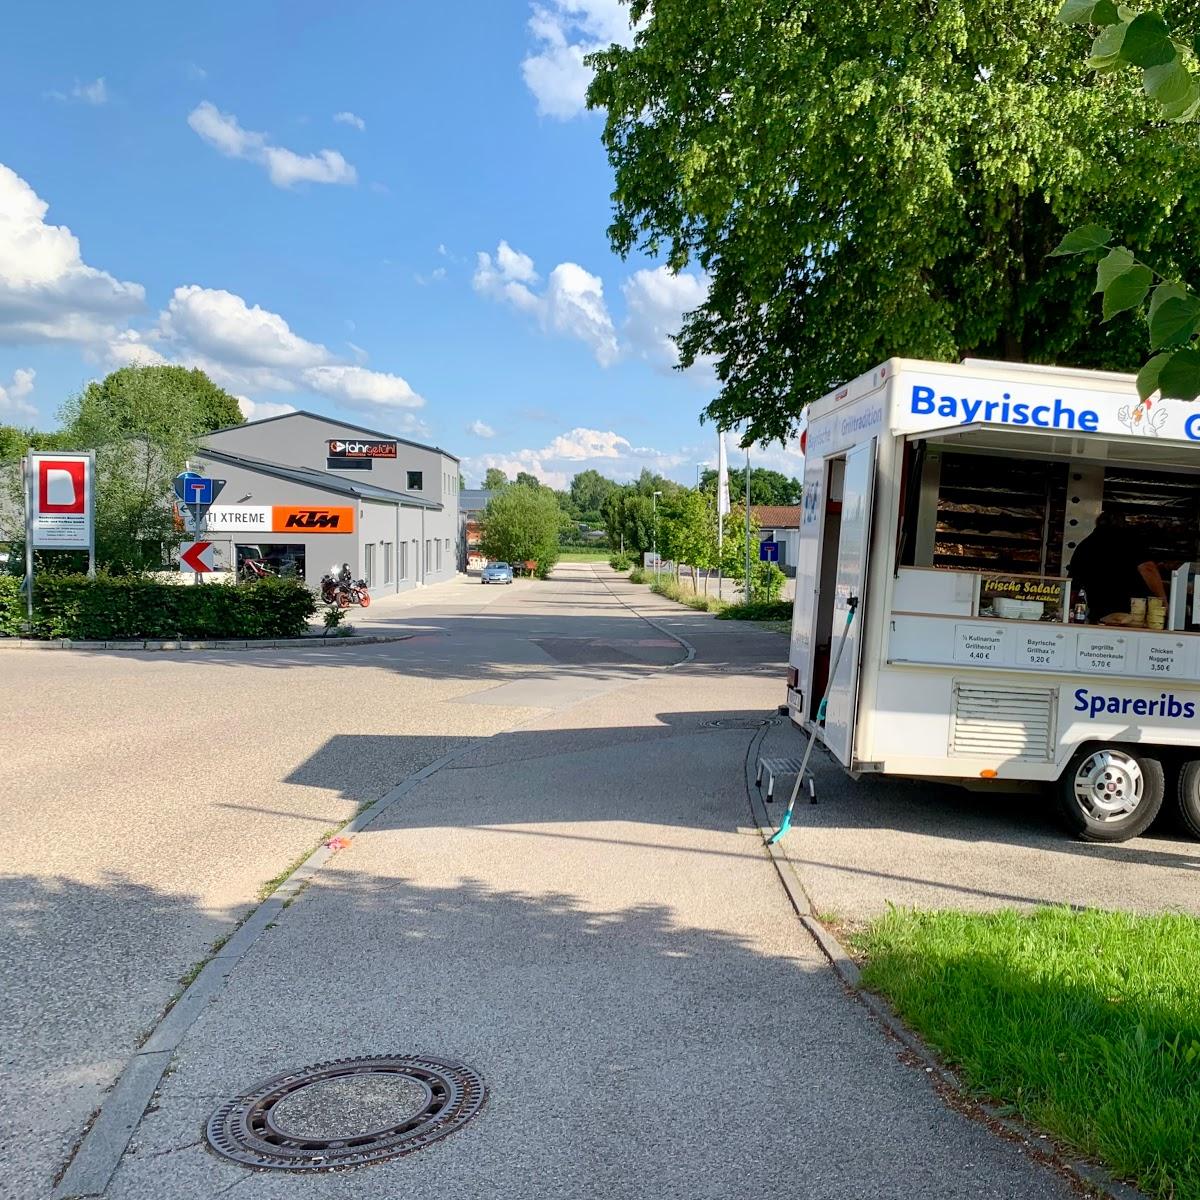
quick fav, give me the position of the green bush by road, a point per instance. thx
(1085, 1023)
(110, 608)
(760, 610)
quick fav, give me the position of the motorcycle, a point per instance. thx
(344, 590)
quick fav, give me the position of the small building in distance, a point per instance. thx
(780, 523)
(472, 502)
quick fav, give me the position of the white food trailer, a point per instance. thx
(944, 502)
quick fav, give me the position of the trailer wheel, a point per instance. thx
(1187, 796)
(1109, 794)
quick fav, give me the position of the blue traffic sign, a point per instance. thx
(197, 491)
(768, 551)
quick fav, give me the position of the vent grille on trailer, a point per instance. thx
(1012, 722)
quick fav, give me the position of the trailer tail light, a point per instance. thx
(989, 774)
(793, 678)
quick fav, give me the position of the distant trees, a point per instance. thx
(494, 479)
(589, 490)
(766, 486)
(521, 523)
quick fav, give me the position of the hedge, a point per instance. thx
(109, 608)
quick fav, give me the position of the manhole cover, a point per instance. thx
(346, 1114)
(734, 723)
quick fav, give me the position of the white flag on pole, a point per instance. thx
(722, 475)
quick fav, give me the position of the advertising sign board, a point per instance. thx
(361, 449)
(311, 518)
(60, 501)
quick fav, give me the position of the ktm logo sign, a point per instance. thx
(312, 519)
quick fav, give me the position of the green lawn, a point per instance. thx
(1086, 1023)
(577, 555)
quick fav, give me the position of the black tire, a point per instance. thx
(1187, 796)
(1111, 793)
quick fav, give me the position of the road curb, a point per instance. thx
(103, 1145)
(1093, 1179)
(183, 644)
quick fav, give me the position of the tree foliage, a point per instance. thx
(629, 520)
(165, 401)
(1167, 68)
(868, 178)
(589, 490)
(494, 479)
(766, 486)
(521, 524)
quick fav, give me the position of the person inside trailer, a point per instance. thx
(1111, 567)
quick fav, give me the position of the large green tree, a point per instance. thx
(868, 178)
(495, 479)
(629, 520)
(1166, 64)
(521, 524)
(155, 400)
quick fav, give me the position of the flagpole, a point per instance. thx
(747, 524)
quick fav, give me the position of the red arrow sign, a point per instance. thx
(196, 556)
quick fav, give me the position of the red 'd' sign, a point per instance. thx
(60, 485)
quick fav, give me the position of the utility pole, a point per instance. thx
(747, 524)
(654, 509)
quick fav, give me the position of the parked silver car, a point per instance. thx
(496, 572)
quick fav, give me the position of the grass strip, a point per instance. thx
(1086, 1024)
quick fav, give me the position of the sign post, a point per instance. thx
(197, 493)
(59, 508)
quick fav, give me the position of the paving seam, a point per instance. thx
(1093, 1179)
(99, 1153)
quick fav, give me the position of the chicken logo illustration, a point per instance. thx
(1147, 418)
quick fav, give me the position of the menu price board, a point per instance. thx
(1052, 593)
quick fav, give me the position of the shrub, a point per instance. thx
(620, 561)
(760, 610)
(109, 608)
(672, 590)
(640, 575)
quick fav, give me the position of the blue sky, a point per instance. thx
(392, 212)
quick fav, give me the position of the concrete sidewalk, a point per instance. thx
(584, 913)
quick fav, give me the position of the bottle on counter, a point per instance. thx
(1079, 614)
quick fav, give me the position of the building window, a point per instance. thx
(369, 563)
(416, 481)
(428, 555)
(387, 562)
(403, 560)
(439, 554)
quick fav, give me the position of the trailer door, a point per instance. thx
(853, 547)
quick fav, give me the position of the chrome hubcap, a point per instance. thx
(1108, 785)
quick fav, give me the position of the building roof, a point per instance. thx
(474, 499)
(776, 516)
(324, 480)
(376, 433)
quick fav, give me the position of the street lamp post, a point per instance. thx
(654, 509)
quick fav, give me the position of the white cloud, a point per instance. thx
(195, 71)
(130, 348)
(571, 305)
(259, 410)
(13, 406)
(564, 33)
(356, 387)
(94, 93)
(481, 429)
(655, 302)
(577, 450)
(348, 118)
(47, 291)
(220, 325)
(284, 167)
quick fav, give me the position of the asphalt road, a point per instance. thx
(149, 796)
(582, 911)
